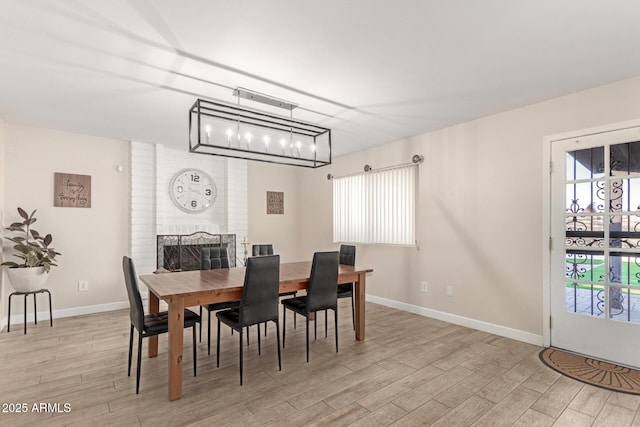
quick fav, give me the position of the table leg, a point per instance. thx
(176, 332)
(154, 307)
(359, 290)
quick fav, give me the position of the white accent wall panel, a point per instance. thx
(143, 206)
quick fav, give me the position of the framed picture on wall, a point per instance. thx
(71, 190)
(275, 203)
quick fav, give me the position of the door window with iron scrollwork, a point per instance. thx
(602, 232)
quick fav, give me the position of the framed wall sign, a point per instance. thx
(71, 190)
(275, 202)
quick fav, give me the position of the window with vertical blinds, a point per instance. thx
(376, 207)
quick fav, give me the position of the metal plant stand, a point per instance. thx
(35, 310)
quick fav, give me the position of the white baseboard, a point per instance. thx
(43, 316)
(462, 321)
(502, 331)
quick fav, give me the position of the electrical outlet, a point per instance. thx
(424, 286)
(83, 285)
(450, 290)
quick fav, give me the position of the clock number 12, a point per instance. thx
(195, 178)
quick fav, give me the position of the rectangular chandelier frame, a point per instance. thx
(220, 129)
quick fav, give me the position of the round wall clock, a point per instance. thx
(192, 190)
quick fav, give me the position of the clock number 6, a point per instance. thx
(194, 204)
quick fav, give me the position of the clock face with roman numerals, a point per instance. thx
(192, 190)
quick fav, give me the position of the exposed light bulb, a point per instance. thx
(207, 129)
(229, 135)
(266, 142)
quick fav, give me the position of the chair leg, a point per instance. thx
(265, 328)
(258, 325)
(335, 314)
(307, 338)
(284, 324)
(248, 336)
(139, 360)
(325, 323)
(194, 348)
(209, 332)
(130, 351)
(241, 353)
(218, 346)
(201, 324)
(315, 326)
(278, 343)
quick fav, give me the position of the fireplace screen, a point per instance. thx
(178, 252)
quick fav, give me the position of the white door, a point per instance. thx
(595, 255)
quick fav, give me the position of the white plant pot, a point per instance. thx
(27, 279)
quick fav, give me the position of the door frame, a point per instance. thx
(546, 210)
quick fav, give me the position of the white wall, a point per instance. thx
(480, 216)
(283, 231)
(91, 240)
(3, 295)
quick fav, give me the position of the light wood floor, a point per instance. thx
(410, 370)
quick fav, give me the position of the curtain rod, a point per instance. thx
(415, 161)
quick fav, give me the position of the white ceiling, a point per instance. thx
(374, 71)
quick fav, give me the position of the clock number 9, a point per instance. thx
(195, 178)
(207, 192)
(194, 204)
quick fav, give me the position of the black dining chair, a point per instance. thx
(267, 249)
(345, 290)
(262, 249)
(322, 293)
(212, 259)
(259, 302)
(149, 325)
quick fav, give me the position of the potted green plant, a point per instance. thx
(35, 252)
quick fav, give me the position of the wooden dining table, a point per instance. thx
(202, 287)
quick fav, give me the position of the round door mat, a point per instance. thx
(592, 371)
